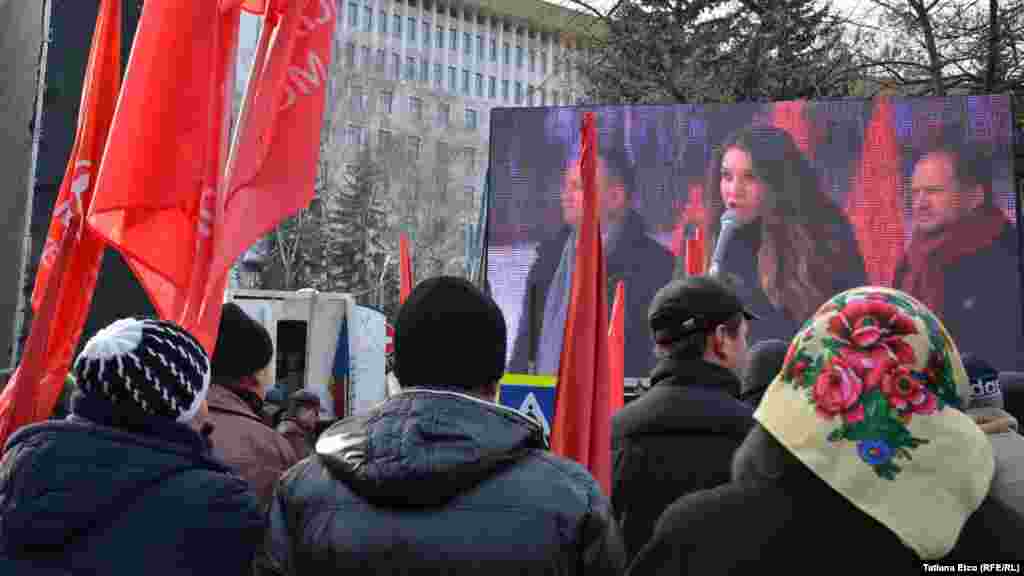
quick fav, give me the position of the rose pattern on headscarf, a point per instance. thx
(865, 374)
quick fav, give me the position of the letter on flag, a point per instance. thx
(582, 427)
(72, 254)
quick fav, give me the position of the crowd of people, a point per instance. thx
(866, 443)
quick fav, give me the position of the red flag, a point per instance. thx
(274, 165)
(582, 426)
(404, 268)
(790, 117)
(160, 185)
(875, 204)
(71, 257)
(617, 349)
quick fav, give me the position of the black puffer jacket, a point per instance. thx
(440, 483)
(82, 496)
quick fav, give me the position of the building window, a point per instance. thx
(543, 97)
(387, 100)
(396, 63)
(358, 100)
(355, 136)
(554, 98)
(519, 56)
(479, 85)
(350, 55)
(566, 70)
(557, 64)
(416, 108)
(453, 39)
(396, 26)
(529, 95)
(442, 153)
(533, 60)
(543, 62)
(469, 157)
(440, 37)
(426, 34)
(438, 76)
(452, 79)
(467, 43)
(444, 113)
(382, 23)
(479, 46)
(367, 18)
(465, 82)
(494, 49)
(410, 68)
(470, 119)
(506, 51)
(412, 29)
(381, 60)
(492, 87)
(425, 72)
(353, 15)
(366, 57)
(519, 92)
(384, 139)
(504, 90)
(414, 147)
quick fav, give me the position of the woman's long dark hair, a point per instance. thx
(800, 247)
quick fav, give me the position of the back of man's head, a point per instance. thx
(683, 313)
(986, 392)
(764, 364)
(450, 336)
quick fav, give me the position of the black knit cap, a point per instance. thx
(449, 335)
(243, 347)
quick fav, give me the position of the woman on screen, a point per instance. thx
(794, 248)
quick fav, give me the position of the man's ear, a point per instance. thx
(974, 196)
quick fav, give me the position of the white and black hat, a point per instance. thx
(147, 366)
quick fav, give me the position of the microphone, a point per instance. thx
(730, 224)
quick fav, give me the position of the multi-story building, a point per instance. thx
(422, 76)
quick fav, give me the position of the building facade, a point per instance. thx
(419, 78)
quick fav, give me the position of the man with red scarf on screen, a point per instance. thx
(962, 261)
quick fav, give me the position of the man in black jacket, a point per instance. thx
(440, 479)
(680, 436)
(632, 256)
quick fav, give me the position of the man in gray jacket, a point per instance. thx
(986, 407)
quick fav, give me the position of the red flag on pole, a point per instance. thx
(582, 426)
(71, 257)
(404, 268)
(158, 190)
(617, 349)
(875, 205)
(695, 252)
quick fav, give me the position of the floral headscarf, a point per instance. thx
(868, 398)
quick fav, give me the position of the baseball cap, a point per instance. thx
(691, 305)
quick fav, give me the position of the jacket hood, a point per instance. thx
(58, 479)
(423, 448)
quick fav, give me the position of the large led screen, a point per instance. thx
(911, 193)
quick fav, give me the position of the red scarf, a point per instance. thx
(927, 257)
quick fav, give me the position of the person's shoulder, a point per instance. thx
(718, 509)
(567, 482)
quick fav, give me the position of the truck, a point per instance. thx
(324, 343)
